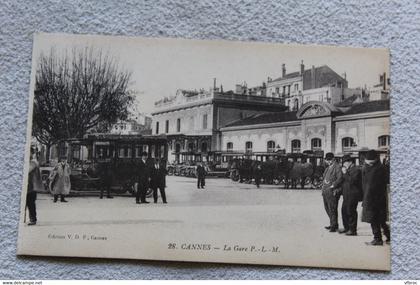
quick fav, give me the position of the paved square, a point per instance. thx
(226, 213)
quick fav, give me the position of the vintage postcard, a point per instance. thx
(207, 151)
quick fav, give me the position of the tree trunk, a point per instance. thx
(47, 153)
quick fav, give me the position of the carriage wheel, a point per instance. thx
(170, 171)
(308, 180)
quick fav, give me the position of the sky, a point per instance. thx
(160, 66)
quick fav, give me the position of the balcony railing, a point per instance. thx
(248, 98)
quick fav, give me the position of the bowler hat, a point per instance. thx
(371, 154)
(346, 158)
(329, 156)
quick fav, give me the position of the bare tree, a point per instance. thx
(77, 92)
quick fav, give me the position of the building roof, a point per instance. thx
(265, 118)
(371, 106)
(322, 75)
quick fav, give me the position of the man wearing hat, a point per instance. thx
(60, 184)
(351, 188)
(330, 190)
(375, 208)
(143, 179)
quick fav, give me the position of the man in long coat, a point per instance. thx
(351, 188)
(60, 180)
(34, 185)
(375, 208)
(158, 180)
(201, 176)
(330, 190)
(143, 179)
(105, 174)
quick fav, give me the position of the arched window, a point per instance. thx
(229, 146)
(295, 146)
(271, 146)
(177, 148)
(203, 147)
(347, 143)
(316, 144)
(383, 141)
(248, 146)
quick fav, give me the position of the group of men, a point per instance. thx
(151, 176)
(366, 184)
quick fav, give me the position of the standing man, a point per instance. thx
(375, 208)
(143, 179)
(201, 176)
(60, 180)
(106, 179)
(352, 193)
(330, 190)
(34, 185)
(258, 175)
(158, 180)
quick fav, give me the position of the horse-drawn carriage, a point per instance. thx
(280, 168)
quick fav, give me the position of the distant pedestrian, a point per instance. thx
(375, 208)
(143, 179)
(258, 175)
(158, 180)
(34, 185)
(201, 176)
(60, 180)
(351, 188)
(330, 190)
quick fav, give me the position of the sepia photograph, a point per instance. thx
(208, 151)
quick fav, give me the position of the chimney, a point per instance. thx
(313, 82)
(283, 70)
(302, 68)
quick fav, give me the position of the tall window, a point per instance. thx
(191, 146)
(191, 123)
(295, 104)
(295, 146)
(157, 128)
(205, 121)
(316, 144)
(178, 125)
(383, 141)
(347, 143)
(271, 146)
(248, 146)
(229, 146)
(167, 126)
(203, 147)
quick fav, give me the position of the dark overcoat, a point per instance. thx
(158, 177)
(374, 180)
(143, 174)
(351, 186)
(201, 171)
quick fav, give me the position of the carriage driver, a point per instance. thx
(330, 190)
